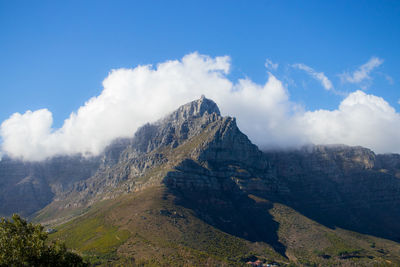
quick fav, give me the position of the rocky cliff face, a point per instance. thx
(26, 187)
(210, 166)
(194, 137)
(125, 164)
(343, 186)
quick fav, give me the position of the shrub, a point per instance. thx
(24, 244)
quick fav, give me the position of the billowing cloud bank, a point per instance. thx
(132, 97)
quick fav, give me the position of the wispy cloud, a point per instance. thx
(271, 65)
(388, 78)
(363, 72)
(319, 76)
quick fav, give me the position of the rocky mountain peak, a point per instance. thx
(174, 129)
(194, 109)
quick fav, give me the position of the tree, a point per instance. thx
(24, 244)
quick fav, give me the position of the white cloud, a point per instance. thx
(362, 73)
(132, 97)
(319, 76)
(360, 119)
(269, 65)
(27, 134)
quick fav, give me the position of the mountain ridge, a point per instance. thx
(194, 149)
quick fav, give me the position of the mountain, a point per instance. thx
(348, 187)
(26, 187)
(192, 190)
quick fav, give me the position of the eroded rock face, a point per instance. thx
(184, 123)
(348, 187)
(26, 187)
(20, 189)
(126, 160)
(388, 163)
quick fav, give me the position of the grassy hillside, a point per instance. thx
(310, 243)
(148, 229)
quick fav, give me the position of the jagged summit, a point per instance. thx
(185, 122)
(194, 109)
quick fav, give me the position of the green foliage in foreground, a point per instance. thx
(24, 244)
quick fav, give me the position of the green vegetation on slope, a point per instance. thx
(25, 244)
(309, 243)
(92, 235)
(147, 228)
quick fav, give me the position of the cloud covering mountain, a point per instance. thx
(132, 97)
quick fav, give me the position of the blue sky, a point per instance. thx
(55, 54)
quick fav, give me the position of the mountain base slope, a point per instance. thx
(149, 228)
